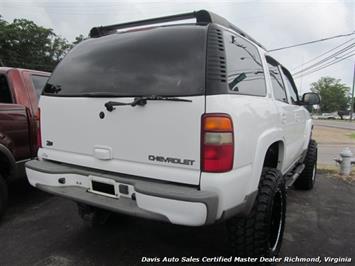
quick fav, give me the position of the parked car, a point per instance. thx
(19, 92)
(347, 117)
(329, 116)
(315, 116)
(190, 124)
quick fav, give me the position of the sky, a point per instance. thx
(273, 23)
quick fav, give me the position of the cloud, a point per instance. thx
(29, 10)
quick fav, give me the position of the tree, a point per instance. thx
(333, 93)
(27, 45)
(79, 39)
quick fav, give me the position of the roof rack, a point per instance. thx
(202, 17)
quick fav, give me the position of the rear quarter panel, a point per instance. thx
(256, 126)
(253, 118)
(24, 94)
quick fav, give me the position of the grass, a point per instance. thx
(352, 135)
(333, 171)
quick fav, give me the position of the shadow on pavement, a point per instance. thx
(21, 196)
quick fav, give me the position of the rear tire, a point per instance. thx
(92, 216)
(308, 176)
(3, 196)
(260, 233)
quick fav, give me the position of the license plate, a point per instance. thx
(103, 186)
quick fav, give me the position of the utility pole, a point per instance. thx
(352, 96)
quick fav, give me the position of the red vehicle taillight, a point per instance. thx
(217, 147)
(38, 124)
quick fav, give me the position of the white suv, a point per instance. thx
(189, 124)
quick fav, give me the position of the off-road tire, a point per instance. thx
(308, 176)
(3, 196)
(91, 216)
(260, 233)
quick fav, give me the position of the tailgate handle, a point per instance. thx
(103, 153)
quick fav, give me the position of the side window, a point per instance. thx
(5, 94)
(290, 85)
(38, 83)
(276, 81)
(244, 68)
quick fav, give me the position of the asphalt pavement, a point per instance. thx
(40, 229)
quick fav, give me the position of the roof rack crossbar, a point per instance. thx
(103, 30)
(201, 16)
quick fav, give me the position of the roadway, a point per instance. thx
(328, 150)
(335, 124)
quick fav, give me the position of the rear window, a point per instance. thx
(38, 83)
(5, 93)
(276, 81)
(166, 61)
(244, 67)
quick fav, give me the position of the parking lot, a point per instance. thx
(40, 229)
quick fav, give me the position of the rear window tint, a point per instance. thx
(166, 61)
(5, 93)
(39, 82)
(244, 66)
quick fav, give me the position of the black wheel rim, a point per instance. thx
(277, 214)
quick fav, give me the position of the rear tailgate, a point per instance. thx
(160, 140)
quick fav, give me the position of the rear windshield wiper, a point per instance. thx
(141, 101)
(52, 89)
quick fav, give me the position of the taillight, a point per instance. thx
(217, 147)
(38, 124)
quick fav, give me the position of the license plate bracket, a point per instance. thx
(103, 186)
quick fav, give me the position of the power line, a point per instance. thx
(328, 51)
(324, 60)
(325, 66)
(351, 51)
(310, 42)
(329, 63)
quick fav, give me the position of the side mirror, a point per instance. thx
(310, 98)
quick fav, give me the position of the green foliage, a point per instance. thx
(24, 44)
(78, 39)
(333, 93)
